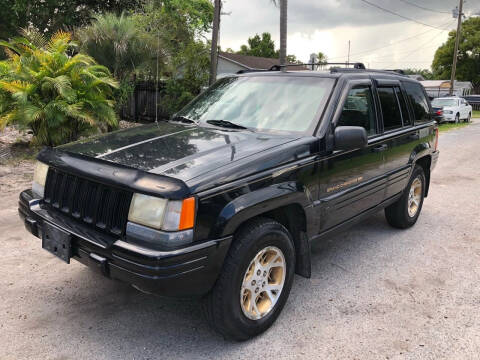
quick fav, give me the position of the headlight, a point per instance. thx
(39, 179)
(448, 112)
(161, 213)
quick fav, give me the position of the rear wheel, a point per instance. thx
(255, 281)
(405, 211)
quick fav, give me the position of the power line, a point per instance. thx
(425, 8)
(395, 42)
(399, 15)
(424, 45)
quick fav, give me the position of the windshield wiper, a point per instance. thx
(183, 119)
(226, 124)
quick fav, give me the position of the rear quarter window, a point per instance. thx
(418, 101)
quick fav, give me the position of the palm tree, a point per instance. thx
(283, 29)
(322, 58)
(58, 96)
(118, 42)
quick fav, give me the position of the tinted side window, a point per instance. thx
(359, 109)
(403, 106)
(392, 117)
(418, 101)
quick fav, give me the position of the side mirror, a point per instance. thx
(350, 138)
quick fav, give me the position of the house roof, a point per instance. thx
(436, 83)
(254, 62)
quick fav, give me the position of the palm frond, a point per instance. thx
(58, 96)
(14, 86)
(61, 84)
(35, 37)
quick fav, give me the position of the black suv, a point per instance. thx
(224, 200)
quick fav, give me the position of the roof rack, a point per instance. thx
(349, 67)
(356, 66)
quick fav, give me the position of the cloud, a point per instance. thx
(327, 25)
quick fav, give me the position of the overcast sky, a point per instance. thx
(328, 25)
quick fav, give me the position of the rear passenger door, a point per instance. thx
(351, 181)
(398, 133)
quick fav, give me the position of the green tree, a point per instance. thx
(425, 73)
(58, 96)
(116, 42)
(468, 67)
(48, 16)
(322, 58)
(292, 59)
(178, 27)
(260, 46)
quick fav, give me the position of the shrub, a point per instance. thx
(58, 95)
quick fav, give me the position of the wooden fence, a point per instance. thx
(145, 101)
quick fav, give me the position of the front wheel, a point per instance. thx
(255, 281)
(405, 211)
(457, 118)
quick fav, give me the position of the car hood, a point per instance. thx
(180, 151)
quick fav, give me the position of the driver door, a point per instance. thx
(352, 182)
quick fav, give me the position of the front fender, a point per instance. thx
(258, 202)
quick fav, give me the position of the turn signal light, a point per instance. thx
(187, 216)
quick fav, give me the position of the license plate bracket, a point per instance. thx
(57, 241)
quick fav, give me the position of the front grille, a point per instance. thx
(103, 207)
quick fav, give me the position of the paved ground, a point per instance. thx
(376, 293)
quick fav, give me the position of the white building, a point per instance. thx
(439, 88)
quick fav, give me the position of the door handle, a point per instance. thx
(380, 148)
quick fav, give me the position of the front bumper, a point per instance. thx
(189, 271)
(447, 118)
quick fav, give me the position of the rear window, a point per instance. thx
(418, 101)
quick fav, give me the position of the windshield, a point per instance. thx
(444, 102)
(282, 103)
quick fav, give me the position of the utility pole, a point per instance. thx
(283, 33)
(214, 50)
(457, 42)
(348, 59)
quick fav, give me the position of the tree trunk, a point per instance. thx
(283, 31)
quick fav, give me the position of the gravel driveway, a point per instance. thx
(375, 293)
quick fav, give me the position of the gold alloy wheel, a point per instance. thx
(263, 283)
(414, 197)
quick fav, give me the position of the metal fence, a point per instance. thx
(144, 103)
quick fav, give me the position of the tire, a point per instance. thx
(457, 118)
(403, 214)
(469, 118)
(226, 305)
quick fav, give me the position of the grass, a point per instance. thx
(476, 113)
(449, 126)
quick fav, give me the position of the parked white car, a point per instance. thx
(452, 109)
